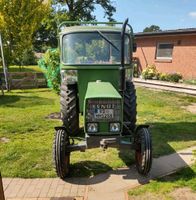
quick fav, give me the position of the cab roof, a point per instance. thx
(73, 29)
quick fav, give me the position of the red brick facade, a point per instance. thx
(183, 57)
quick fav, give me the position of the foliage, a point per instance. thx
(23, 120)
(174, 77)
(18, 22)
(163, 77)
(50, 63)
(69, 10)
(150, 72)
(152, 28)
(135, 70)
(28, 57)
(136, 67)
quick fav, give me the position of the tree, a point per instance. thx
(152, 28)
(83, 10)
(19, 19)
(71, 10)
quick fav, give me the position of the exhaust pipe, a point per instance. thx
(122, 67)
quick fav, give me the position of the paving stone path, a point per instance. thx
(108, 186)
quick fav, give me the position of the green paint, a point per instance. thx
(89, 74)
(92, 75)
(87, 67)
(73, 29)
(101, 89)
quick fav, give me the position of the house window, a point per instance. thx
(164, 51)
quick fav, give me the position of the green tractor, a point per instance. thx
(96, 68)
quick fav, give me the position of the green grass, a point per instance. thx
(172, 127)
(30, 68)
(190, 82)
(29, 152)
(162, 187)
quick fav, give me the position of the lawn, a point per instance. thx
(30, 68)
(181, 185)
(27, 134)
(190, 82)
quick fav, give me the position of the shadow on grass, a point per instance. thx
(19, 101)
(162, 135)
(166, 134)
(33, 90)
(21, 69)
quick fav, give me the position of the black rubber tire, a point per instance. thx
(130, 106)
(69, 107)
(143, 153)
(60, 156)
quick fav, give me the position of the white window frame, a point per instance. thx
(164, 58)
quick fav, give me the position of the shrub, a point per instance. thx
(50, 63)
(135, 70)
(174, 77)
(150, 72)
(163, 77)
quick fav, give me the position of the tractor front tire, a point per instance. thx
(61, 156)
(69, 107)
(130, 106)
(143, 152)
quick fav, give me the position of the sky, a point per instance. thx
(167, 14)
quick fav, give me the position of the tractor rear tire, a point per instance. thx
(143, 153)
(130, 107)
(61, 156)
(69, 108)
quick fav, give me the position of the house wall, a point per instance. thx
(183, 58)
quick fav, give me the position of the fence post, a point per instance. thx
(2, 197)
(5, 70)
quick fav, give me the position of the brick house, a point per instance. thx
(171, 51)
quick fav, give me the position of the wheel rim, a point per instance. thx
(138, 153)
(139, 157)
(143, 151)
(67, 161)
